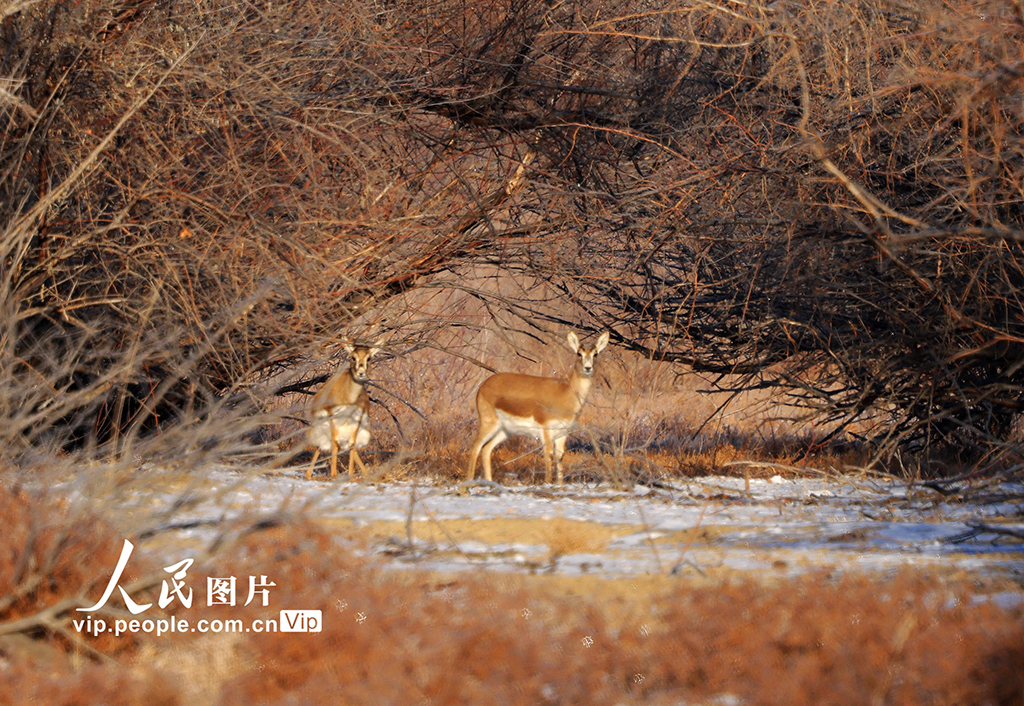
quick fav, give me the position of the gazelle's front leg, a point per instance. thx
(353, 453)
(548, 453)
(559, 452)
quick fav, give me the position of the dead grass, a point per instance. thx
(574, 537)
(199, 667)
(667, 450)
(856, 640)
(852, 641)
(23, 684)
(563, 536)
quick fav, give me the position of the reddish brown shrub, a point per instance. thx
(52, 552)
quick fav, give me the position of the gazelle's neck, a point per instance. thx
(580, 384)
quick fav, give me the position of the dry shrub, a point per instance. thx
(866, 258)
(52, 553)
(438, 447)
(757, 459)
(710, 461)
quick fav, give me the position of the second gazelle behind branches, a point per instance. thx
(339, 413)
(511, 404)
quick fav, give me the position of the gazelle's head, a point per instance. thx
(359, 359)
(585, 355)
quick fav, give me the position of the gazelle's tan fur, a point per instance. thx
(510, 404)
(339, 414)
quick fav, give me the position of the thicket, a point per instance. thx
(817, 197)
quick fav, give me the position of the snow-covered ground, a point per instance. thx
(711, 528)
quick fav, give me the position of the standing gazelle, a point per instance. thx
(339, 414)
(511, 404)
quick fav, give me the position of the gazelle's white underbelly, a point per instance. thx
(528, 426)
(348, 421)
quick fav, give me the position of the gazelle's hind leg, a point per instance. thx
(498, 437)
(353, 453)
(473, 455)
(309, 471)
(478, 443)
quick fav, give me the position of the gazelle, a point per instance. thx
(510, 404)
(339, 414)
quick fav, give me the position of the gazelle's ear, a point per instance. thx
(602, 342)
(377, 346)
(347, 345)
(574, 341)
